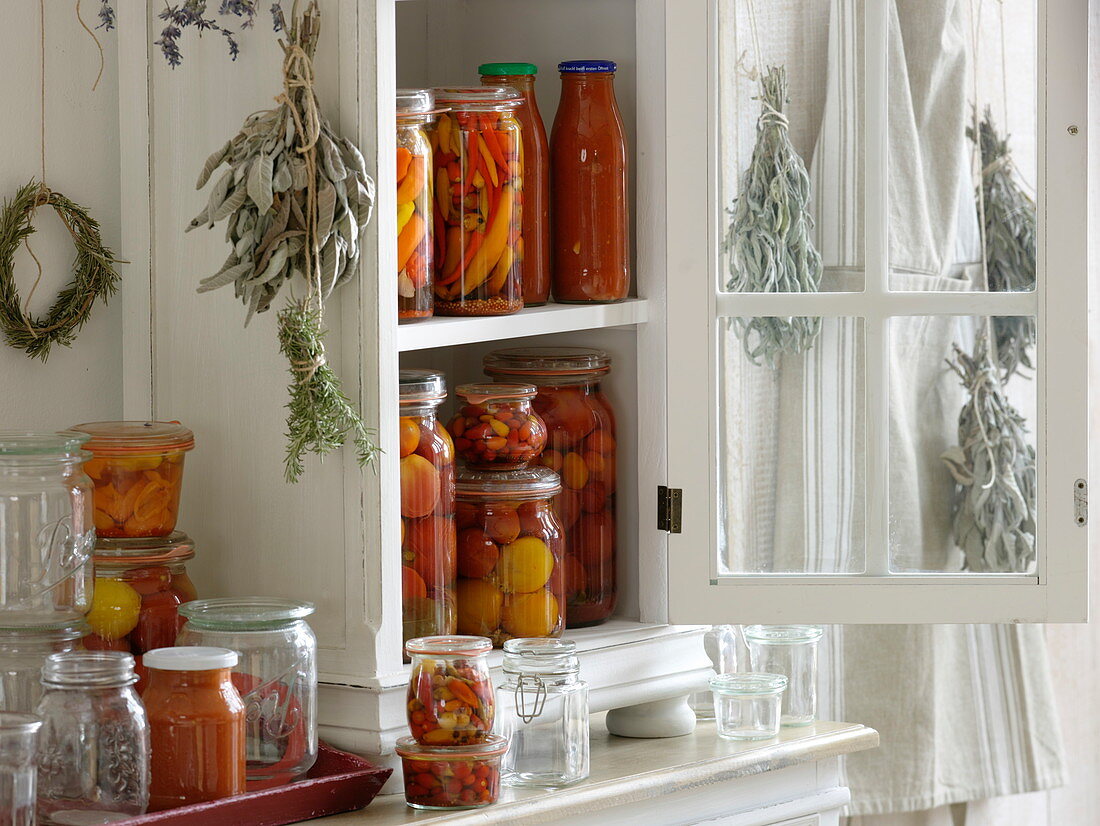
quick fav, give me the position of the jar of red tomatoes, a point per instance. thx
(496, 428)
(454, 777)
(580, 422)
(427, 507)
(414, 204)
(478, 192)
(510, 552)
(450, 697)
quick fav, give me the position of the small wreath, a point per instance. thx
(94, 275)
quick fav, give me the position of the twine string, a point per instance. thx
(98, 45)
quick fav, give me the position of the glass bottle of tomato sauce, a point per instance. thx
(588, 171)
(535, 223)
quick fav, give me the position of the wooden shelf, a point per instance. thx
(534, 321)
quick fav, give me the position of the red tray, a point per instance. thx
(338, 782)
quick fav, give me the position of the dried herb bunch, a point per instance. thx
(769, 239)
(1009, 232)
(994, 470)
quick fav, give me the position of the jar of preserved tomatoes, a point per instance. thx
(137, 470)
(535, 225)
(496, 429)
(427, 507)
(450, 697)
(581, 447)
(451, 777)
(414, 204)
(479, 192)
(24, 647)
(510, 552)
(588, 163)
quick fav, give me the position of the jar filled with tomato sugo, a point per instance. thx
(137, 471)
(450, 696)
(414, 204)
(510, 554)
(588, 167)
(496, 428)
(536, 178)
(427, 507)
(479, 179)
(580, 421)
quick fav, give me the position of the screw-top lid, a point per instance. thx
(783, 634)
(189, 658)
(421, 386)
(575, 67)
(89, 669)
(415, 101)
(487, 392)
(543, 362)
(748, 684)
(535, 482)
(479, 98)
(127, 438)
(507, 69)
(454, 645)
(128, 552)
(245, 613)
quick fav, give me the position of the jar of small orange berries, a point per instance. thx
(510, 549)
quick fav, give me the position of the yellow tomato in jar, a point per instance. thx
(525, 565)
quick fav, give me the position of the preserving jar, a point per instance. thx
(509, 554)
(580, 422)
(535, 224)
(276, 677)
(588, 168)
(140, 584)
(18, 767)
(93, 748)
(496, 428)
(450, 697)
(137, 469)
(542, 709)
(479, 191)
(456, 777)
(427, 508)
(24, 647)
(196, 725)
(415, 244)
(790, 650)
(746, 706)
(720, 644)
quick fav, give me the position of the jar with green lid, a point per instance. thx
(415, 246)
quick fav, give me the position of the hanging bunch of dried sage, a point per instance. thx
(769, 241)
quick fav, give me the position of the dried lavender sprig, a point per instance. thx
(106, 16)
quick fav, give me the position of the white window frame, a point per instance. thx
(1058, 591)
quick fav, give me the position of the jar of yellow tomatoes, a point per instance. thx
(415, 245)
(427, 507)
(137, 471)
(510, 550)
(580, 421)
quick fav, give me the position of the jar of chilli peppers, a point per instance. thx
(427, 507)
(510, 552)
(495, 428)
(450, 697)
(137, 471)
(478, 194)
(580, 422)
(414, 204)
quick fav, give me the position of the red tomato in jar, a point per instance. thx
(158, 622)
(432, 539)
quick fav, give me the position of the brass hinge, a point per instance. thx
(1081, 502)
(669, 501)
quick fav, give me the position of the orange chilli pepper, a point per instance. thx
(404, 156)
(490, 137)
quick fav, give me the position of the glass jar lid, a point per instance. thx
(30, 627)
(128, 552)
(244, 613)
(12, 722)
(421, 386)
(541, 657)
(491, 746)
(582, 362)
(479, 98)
(507, 69)
(487, 392)
(454, 645)
(411, 102)
(61, 443)
(89, 669)
(748, 684)
(128, 438)
(783, 634)
(536, 482)
(582, 67)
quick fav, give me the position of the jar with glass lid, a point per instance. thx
(25, 643)
(46, 529)
(580, 422)
(791, 651)
(450, 697)
(415, 236)
(542, 708)
(276, 676)
(496, 428)
(479, 191)
(427, 463)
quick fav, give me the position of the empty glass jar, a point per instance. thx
(746, 706)
(790, 650)
(18, 750)
(23, 652)
(542, 708)
(720, 643)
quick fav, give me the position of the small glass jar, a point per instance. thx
(18, 767)
(23, 652)
(790, 650)
(479, 192)
(720, 643)
(415, 244)
(510, 545)
(580, 421)
(496, 429)
(427, 508)
(458, 777)
(137, 469)
(93, 750)
(450, 697)
(196, 726)
(542, 708)
(46, 531)
(276, 677)
(746, 706)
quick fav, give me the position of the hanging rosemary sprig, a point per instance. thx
(994, 470)
(1009, 214)
(769, 238)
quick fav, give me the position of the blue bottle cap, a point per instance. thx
(586, 66)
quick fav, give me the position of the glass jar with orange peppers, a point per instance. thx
(478, 195)
(581, 447)
(510, 551)
(137, 471)
(415, 244)
(427, 507)
(450, 697)
(496, 429)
